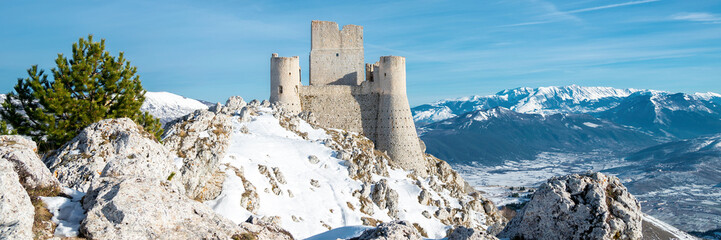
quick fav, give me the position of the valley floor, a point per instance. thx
(690, 207)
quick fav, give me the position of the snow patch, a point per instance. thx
(67, 212)
(591, 125)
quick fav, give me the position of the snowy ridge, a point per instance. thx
(481, 116)
(542, 100)
(263, 144)
(566, 99)
(168, 106)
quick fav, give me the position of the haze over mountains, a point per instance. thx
(663, 145)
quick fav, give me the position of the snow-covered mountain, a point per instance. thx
(542, 100)
(663, 145)
(665, 114)
(168, 106)
(493, 136)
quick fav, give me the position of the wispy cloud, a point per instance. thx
(611, 6)
(549, 14)
(568, 15)
(526, 23)
(697, 17)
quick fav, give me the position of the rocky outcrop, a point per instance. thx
(363, 159)
(201, 139)
(265, 230)
(397, 230)
(81, 161)
(16, 210)
(234, 104)
(385, 198)
(464, 233)
(588, 206)
(142, 208)
(20, 153)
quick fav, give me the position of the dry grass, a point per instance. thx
(370, 221)
(43, 227)
(420, 230)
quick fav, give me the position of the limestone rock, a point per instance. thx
(81, 161)
(464, 233)
(142, 208)
(265, 229)
(218, 108)
(246, 112)
(313, 159)
(397, 230)
(20, 152)
(588, 206)
(424, 197)
(234, 104)
(385, 197)
(265, 103)
(201, 139)
(16, 210)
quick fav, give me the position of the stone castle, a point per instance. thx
(347, 93)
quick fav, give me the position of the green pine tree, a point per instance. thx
(4, 130)
(91, 86)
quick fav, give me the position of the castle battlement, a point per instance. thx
(336, 56)
(346, 93)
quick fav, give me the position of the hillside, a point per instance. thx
(168, 106)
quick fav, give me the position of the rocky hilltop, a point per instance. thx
(253, 171)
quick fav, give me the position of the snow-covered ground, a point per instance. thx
(168, 106)
(530, 173)
(315, 197)
(681, 235)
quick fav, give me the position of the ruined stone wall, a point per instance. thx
(353, 108)
(336, 56)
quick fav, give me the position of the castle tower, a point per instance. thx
(285, 82)
(336, 56)
(395, 131)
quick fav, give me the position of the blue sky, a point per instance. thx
(215, 49)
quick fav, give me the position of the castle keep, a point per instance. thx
(346, 93)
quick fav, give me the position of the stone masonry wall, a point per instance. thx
(336, 56)
(353, 108)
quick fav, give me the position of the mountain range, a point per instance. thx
(663, 145)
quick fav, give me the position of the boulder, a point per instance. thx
(265, 103)
(20, 153)
(16, 210)
(81, 161)
(396, 230)
(142, 208)
(385, 197)
(588, 206)
(464, 233)
(201, 139)
(234, 104)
